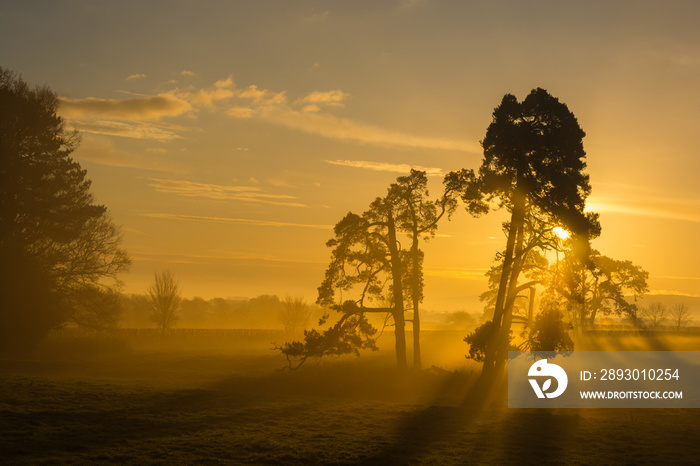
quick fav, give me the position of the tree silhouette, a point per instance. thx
(57, 246)
(655, 314)
(680, 315)
(535, 267)
(418, 217)
(369, 264)
(482, 337)
(294, 315)
(549, 332)
(595, 285)
(367, 260)
(164, 300)
(533, 166)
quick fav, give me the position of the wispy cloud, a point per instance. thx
(101, 150)
(667, 277)
(135, 76)
(242, 221)
(328, 97)
(220, 192)
(317, 17)
(135, 109)
(128, 117)
(262, 97)
(221, 90)
(138, 117)
(187, 73)
(126, 129)
(240, 112)
(343, 129)
(386, 167)
(306, 114)
(672, 292)
(313, 108)
(673, 209)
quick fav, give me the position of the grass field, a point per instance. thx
(179, 402)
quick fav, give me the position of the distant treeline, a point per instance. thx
(261, 312)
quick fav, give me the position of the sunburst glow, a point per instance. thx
(561, 233)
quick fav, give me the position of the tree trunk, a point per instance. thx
(417, 272)
(417, 361)
(516, 268)
(517, 220)
(595, 303)
(531, 307)
(399, 318)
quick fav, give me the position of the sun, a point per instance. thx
(561, 233)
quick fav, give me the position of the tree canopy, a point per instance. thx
(533, 166)
(369, 266)
(58, 247)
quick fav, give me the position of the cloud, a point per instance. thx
(347, 130)
(125, 129)
(225, 89)
(240, 112)
(386, 167)
(221, 90)
(673, 209)
(272, 107)
(278, 182)
(332, 97)
(671, 292)
(135, 117)
(263, 96)
(135, 109)
(101, 150)
(243, 221)
(209, 96)
(313, 108)
(676, 278)
(318, 17)
(136, 76)
(252, 92)
(225, 83)
(187, 73)
(220, 192)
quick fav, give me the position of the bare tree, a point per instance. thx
(680, 315)
(655, 314)
(164, 300)
(295, 315)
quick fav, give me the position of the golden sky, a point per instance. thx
(227, 138)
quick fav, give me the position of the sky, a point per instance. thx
(227, 138)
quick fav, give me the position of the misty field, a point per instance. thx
(217, 397)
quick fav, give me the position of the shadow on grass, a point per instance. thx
(325, 414)
(340, 413)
